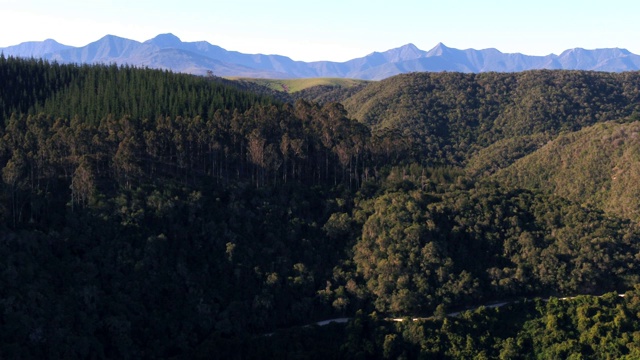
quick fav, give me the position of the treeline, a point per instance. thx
(92, 125)
(92, 92)
(264, 146)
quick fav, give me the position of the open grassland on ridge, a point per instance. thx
(294, 85)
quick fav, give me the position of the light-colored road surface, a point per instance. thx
(452, 314)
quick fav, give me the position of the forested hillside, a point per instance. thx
(448, 117)
(146, 214)
(597, 166)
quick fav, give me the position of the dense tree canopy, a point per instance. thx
(146, 214)
(447, 117)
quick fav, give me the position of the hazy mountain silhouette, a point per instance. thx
(36, 49)
(167, 51)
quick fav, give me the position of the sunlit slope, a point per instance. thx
(597, 166)
(449, 117)
(295, 85)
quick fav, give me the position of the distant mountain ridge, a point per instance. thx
(167, 51)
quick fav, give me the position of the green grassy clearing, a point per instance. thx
(294, 85)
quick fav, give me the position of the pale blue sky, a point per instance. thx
(336, 30)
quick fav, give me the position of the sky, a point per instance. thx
(333, 30)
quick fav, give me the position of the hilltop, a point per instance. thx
(446, 118)
(295, 85)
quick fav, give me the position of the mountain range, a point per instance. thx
(167, 51)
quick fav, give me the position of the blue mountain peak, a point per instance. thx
(167, 40)
(438, 50)
(202, 57)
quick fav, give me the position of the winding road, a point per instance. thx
(451, 314)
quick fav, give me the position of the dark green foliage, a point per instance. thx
(145, 214)
(503, 153)
(597, 166)
(584, 327)
(419, 250)
(447, 117)
(327, 93)
(93, 92)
